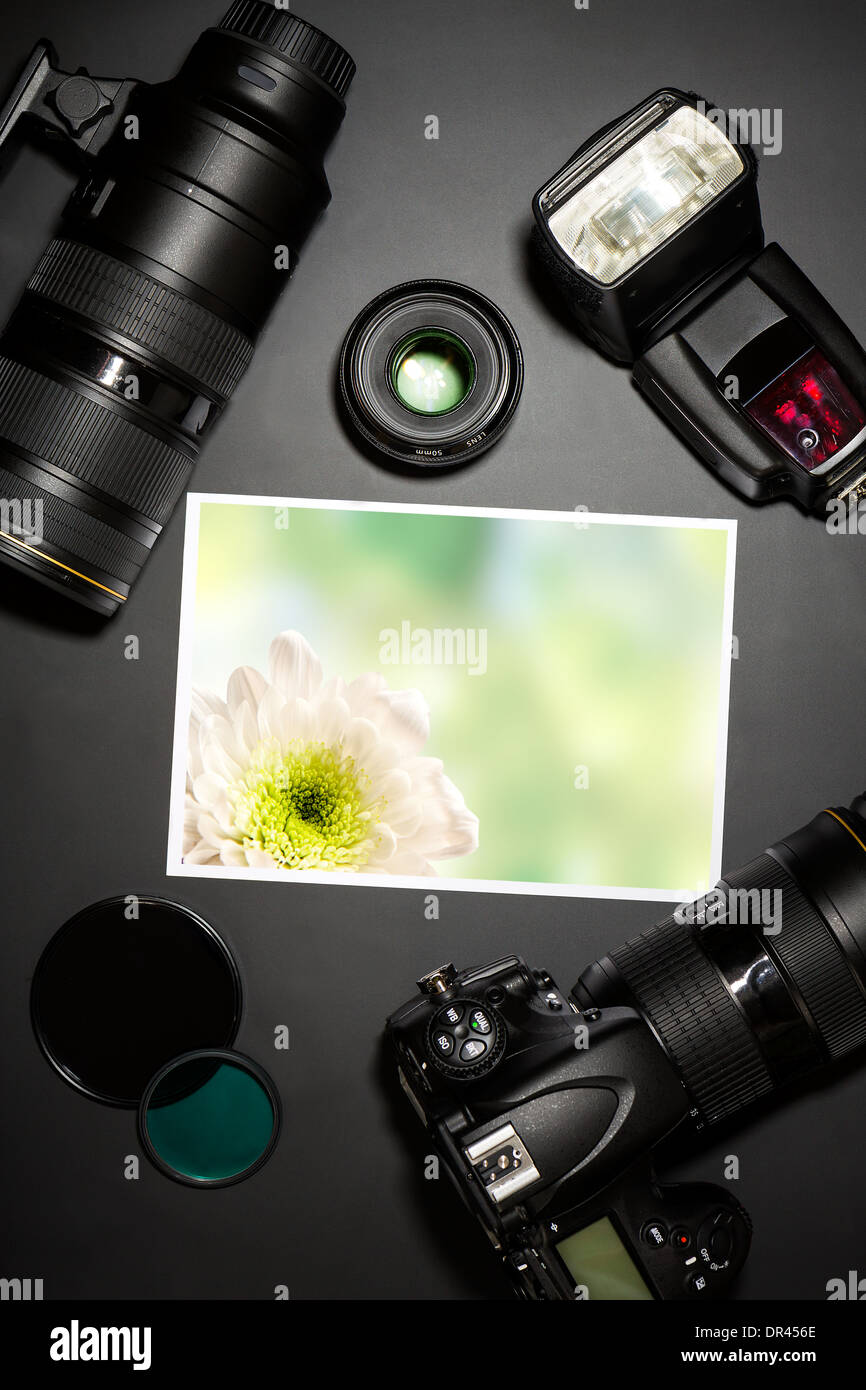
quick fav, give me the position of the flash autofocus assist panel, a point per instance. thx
(652, 213)
(768, 385)
(431, 373)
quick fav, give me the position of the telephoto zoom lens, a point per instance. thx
(763, 980)
(140, 319)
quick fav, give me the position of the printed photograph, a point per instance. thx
(523, 701)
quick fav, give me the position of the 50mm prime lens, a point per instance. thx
(431, 374)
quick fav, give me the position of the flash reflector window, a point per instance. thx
(645, 195)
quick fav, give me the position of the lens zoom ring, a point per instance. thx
(184, 334)
(700, 1025)
(807, 950)
(77, 533)
(79, 435)
(294, 37)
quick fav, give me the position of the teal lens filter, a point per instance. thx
(209, 1118)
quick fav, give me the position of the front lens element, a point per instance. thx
(432, 373)
(646, 194)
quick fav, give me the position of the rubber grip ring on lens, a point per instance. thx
(80, 436)
(697, 1021)
(809, 954)
(76, 534)
(303, 43)
(114, 295)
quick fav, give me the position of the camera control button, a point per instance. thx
(697, 1283)
(655, 1233)
(465, 1038)
(450, 1016)
(681, 1239)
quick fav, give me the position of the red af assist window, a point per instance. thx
(808, 412)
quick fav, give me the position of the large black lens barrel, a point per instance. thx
(766, 980)
(140, 319)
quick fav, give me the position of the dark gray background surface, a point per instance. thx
(342, 1210)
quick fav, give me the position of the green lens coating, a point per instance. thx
(432, 372)
(221, 1124)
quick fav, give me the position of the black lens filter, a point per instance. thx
(136, 1002)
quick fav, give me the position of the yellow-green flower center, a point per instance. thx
(308, 807)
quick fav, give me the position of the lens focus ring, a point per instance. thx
(107, 292)
(696, 1019)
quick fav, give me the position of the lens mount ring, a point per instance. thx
(485, 354)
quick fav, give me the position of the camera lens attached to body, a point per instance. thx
(762, 981)
(431, 373)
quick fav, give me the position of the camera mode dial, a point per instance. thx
(465, 1039)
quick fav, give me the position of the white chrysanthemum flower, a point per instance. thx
(294, 773)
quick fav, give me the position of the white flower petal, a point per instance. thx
(216, 759)
(246, 729)
(260, 859)
(201, 853)
(402, 715)
(448, 828)
(330, 718)
(233, 857)
(295, 669)
(204, 704)
(270, 710)
(208, 789)
(213, 834)
(360, 740)
(245, 686)
(385, 846)
(296, 721)
(404, 862)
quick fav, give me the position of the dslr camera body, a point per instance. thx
(546, 1108)
(545, 1116)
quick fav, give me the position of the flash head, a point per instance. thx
(647, 219)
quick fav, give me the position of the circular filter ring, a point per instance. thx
(477, 344)
(223, 1116)
(115, 997)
